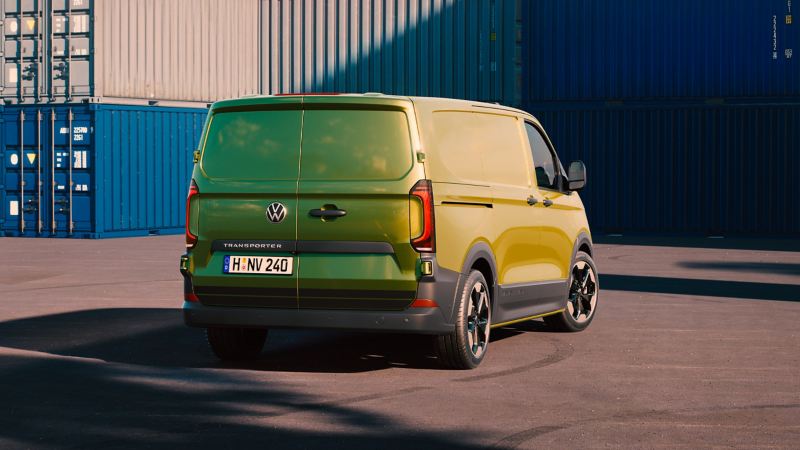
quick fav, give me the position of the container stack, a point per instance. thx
(104, 100)
(686, 112)
(445, 48)
(103, 105)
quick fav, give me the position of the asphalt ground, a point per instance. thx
(692, 347)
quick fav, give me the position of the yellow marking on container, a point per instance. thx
(31, 157)
(511, 322)
(788, 19)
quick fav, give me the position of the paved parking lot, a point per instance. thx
(692, 347)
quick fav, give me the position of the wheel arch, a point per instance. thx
(582, 243)
(480, 257)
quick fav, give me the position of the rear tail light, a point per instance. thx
(191, 238)
(425, 242)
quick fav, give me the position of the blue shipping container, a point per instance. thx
(582, 50)
(443, 48)
(703, 169)
(96, 170)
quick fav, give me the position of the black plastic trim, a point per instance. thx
(412, 320)
(441, 287)
(582, 238)
(344, 247)
(327, 213)
(479, 250)
(355, 294)
(515, 301)
(451, 202)
(254, 297)
(253, 246)
(279, 246)
(360, 304)
(248, 301)
(187, 283)
(258, 292)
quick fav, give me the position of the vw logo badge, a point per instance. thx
(276, 212)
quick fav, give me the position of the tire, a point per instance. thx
(236, 344)
(466, 346)
(581, 302)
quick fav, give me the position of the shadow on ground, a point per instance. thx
(158, 337)
(731, 243)
(78, 403)
(697, 287)
(746, 267)
(159, 399)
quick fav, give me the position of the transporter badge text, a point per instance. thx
(251, 246)
(247, 245)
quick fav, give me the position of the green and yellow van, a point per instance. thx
(384, 213)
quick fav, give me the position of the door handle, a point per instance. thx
(327, 213)
(532, 200)
(548, 202)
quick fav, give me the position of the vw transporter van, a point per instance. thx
(392, 214)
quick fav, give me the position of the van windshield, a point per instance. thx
(355, 145)
(253, 145)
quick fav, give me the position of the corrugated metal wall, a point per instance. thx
(144, 166)
(448, 48)
(95, 170)
(198, 50)
(642, 91)
(181, 50)
(622, 49)
(685, 112)
(725, 169)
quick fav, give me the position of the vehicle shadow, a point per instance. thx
(528, 326)
(158, 337)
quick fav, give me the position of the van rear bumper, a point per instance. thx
(411, 320)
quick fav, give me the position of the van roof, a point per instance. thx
(369, 97)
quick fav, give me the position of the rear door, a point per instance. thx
(248, 204)
(48, 172)
(356, 171)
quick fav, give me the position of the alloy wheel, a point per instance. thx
(582, 292)
(478, 316)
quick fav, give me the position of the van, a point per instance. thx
(382, 213)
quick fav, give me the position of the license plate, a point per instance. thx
(258, 265)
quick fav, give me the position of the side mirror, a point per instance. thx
(576, 176)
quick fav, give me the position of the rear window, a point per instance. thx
(255, 145)
(355, 145)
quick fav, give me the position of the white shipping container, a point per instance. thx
(179, 50)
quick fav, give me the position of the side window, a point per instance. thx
(543, 159)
